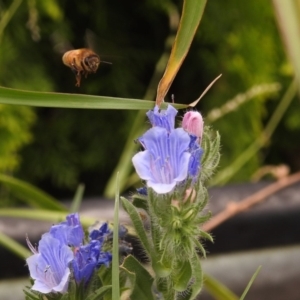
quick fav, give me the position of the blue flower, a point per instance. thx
(196, 153)
(100, 234)
(162, 118)
(49, 265)
(69, 232)
(142, 191)
(165, 160)
(88, 258)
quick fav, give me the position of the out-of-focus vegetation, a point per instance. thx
(238, 39)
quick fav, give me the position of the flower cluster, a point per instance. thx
(172, 155)
(62, 253)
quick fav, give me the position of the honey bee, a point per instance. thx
(82, 62)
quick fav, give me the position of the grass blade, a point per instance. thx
(77, 199)
(45, 99)
(31, 194)
(250, 283)
(13, 246)
(218, 290)
(191, 16)
(115, 251)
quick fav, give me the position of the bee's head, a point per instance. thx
(92, 62)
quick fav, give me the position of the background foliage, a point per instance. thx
(65, 146)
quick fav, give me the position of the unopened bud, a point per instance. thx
(193, 123)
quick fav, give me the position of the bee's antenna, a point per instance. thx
(106, 62)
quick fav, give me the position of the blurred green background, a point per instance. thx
(56, 149)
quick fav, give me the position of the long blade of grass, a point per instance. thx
(45, 99)
(31, 194)
(13, 246)
(287, 13)
(217, 289)
(43, 215)
(77, 199)
(250, 283)
(115, 251)
(190, 18)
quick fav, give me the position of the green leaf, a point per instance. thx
(31, 194)
(137, 222)
(196, 287)
(250, 283)
(184, 275)
(191, 16)
(138, 225)
(99, 292)
(218, 290)
(130, 280)
(140, 201)
(142, 281)
(44, 99)
(115, 252)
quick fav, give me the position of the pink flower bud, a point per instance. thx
(193, 123)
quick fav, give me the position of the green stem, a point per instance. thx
(240, 99)
(6, 17)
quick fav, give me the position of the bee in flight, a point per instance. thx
(82, 62)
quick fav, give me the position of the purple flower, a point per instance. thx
(49, 265)
(69, 232)
(196, 153)
(162, 118)
(88, 258)
(100, 234)
(165, 161)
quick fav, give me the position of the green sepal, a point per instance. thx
(206, 235)
(183, 276)
(140, 279)
(200, 248)
(211, 155)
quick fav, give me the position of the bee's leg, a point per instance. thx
(78, 78)
(77, 73)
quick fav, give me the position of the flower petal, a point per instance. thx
(69, 232)
(161, 188)
(50, 266)
(166, 158)
(141, 163)
(162, 118)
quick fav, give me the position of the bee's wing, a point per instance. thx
(105, 49)
(59, 43)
